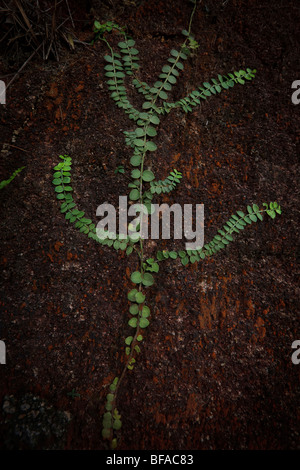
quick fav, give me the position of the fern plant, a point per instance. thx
(144, 186)
(12, 176)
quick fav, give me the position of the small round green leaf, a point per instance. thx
(134, 195)
(148, 279)
(143, 323)
(131, 295)
(148, 175)
(154, 119)
(128, 340)
(135, 174)
(145, 311)
(117, 424)
(136, 277)
(163, 95)
(151, 146)
(133, 322)
(135, 160)
(140, 297)
(134, 309)
(151, 131)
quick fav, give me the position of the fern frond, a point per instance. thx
(208, 89)
(168, 77)
(129, 55)
(101, 29)
(142, 87)
(167, 185)
(6, 182)
(115, 74)
(235, 224)
(63, 189)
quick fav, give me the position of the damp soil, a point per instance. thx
(215, 369)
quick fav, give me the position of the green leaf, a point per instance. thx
(240, 214)
(163, 95)
(133, 322)
(140, 297)
(145, 311)
(166, 69)
(114, 444)
(154, 119)
(131, 295)
(185, 260)
(128, 340)
(134, 195)
(129, 250)
(272, 214)
(136, 160)
(148, 279)
(143, 323)
(151, 146)
(108, 58)
(116, 244)
(135, 174)
(229, 237)
(139, 142)
(134, 309)
(167, 86)
(136, 277)
(117, 424)
(148, 175)
(59, 189)
(151, 132)
(172, 79)
(58, 166)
